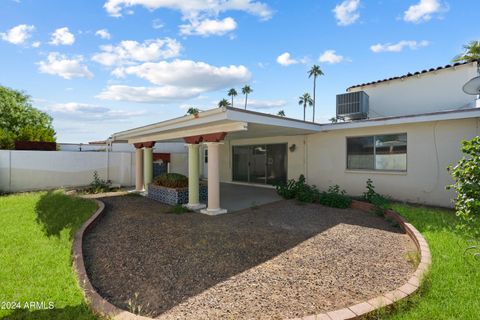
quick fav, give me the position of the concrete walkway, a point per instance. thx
(235, 197)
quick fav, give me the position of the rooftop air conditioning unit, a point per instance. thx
(352, 105)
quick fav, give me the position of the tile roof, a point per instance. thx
(412, 74)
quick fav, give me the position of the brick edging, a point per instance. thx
(364, 308)
(101, 306)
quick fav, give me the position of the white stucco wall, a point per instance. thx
(295, 160)
(432, 146)
(179, 163)
(429, 92)
(35, 170)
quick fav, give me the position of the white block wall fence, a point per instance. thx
(39, 170)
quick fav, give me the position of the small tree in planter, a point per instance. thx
(467, 186)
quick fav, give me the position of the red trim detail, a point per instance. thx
(165, 157)
(193, 139)
(149, 144)
(214, 137)
(138, 145)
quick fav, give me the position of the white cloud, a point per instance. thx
(329, 56)
(60, 65)
(18, 35)
(208, 27)
(36, 44)
(88, 112)
(129, 52)
(103, 33)
(423, 11)
(157, 24)
(188, 74)
(175, 81)
(163, 94)
(346, 12)
(62, 36)
(399, 46)
(192, 8)
(285, 60)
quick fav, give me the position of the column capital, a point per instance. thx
(214, 137)
(138, 145)
(193, 139)
(148, 144)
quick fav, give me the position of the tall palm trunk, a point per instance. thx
(304, 109)
(232, 101)
(246, 98)
(314, 89)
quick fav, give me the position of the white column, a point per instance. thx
(193, 178)
(213, 180)
(138, 169)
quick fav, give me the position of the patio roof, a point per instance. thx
(237, 123)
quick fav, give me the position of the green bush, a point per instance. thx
(335, 197)
(467, 186)
(178, 209)
(171, 180)
(380, 202)
(98, 185)
(298, 189)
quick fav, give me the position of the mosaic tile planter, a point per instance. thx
(174, 196)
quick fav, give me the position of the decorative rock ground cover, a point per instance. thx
(282, 260)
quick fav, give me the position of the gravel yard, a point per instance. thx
(280, 260)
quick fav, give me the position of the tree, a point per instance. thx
(232, 93)
(192, 111)
(223, 103)
(314, 72)
(471, 53)
(333, 119)
(466, 175)
(305, 100)
(281, 113)
(246, 90)
(19, 121)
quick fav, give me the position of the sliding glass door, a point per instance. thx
(263, 164)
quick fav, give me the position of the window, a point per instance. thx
(382, 152)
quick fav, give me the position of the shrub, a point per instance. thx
(178, 209)
(307, 194)
(380, 202)
(335, 197)
(298, 189)
(467, 186)
(98, 185)
(171, 180)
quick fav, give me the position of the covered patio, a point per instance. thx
(210, 130)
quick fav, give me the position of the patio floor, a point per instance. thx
(279, 260)
(235, 197)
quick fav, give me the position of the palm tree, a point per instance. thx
(192, 111)
(314, 72)
(471, 53)
(281, 113)
(304, 100)
(223, 103)
(232, 93)
(246, 90)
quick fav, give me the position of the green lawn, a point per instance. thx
(36, 236)
(451, 290)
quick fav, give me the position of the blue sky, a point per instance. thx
(103, 66)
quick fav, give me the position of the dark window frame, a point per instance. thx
(374, 136)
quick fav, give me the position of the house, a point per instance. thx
(401, 132)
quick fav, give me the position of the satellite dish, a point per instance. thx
(472, 87)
